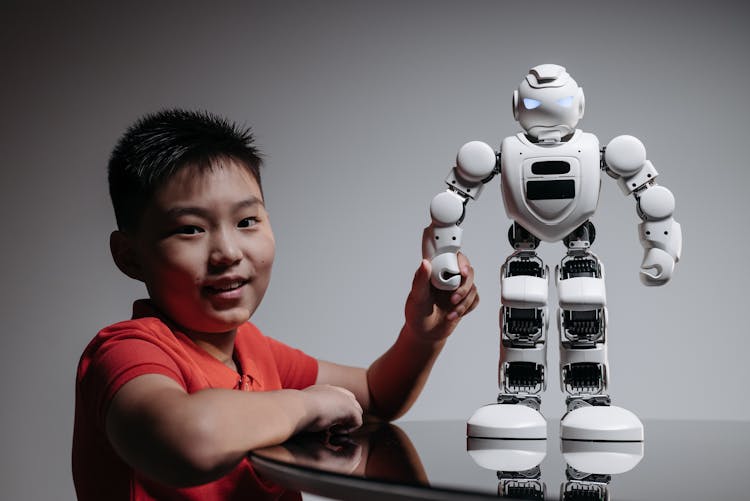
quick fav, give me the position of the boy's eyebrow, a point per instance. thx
(250, 202)
(176, 212)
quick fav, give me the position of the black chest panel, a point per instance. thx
(551, 190)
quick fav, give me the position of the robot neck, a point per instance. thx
(550, 137)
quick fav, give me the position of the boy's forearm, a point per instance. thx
(240, 421)
(396, 379)
(191, 439)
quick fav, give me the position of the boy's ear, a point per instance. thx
(124, 255)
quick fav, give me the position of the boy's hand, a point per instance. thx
(332, 408)
(432, 314)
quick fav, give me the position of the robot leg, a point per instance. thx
(523, 350)
(584, 367)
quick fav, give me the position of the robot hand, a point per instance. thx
(657, 267)
(445, 273)
(660, 235)
(445, 276)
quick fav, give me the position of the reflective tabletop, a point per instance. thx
(685, 460)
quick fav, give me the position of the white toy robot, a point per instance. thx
(550, 178)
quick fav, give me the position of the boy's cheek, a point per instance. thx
(266, 254)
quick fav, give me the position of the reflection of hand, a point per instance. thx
(377, 450)
(336, 453)
(341, 453)
(332, 407)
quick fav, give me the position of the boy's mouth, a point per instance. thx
(224, 287)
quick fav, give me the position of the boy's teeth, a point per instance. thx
(228, 287)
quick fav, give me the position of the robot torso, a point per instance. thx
(550, 189)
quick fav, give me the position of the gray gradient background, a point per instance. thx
(360, 108)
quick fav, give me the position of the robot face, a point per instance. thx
(548, 104)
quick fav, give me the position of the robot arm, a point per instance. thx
(660, 235)
(475, 165)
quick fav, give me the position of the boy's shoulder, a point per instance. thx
(145, 323)
(133, 342)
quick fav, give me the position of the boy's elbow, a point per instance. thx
(197, 469)
(187, 471)
(392, 415)
(385, 412)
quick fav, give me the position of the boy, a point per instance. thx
(168, 404)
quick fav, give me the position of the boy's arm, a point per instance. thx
(186, 439)
(389, 387)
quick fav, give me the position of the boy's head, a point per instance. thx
(158, 145)
(193, 225)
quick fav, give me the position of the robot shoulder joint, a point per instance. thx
(475, 165)
(625, 157)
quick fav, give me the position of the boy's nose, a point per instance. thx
(225, 250)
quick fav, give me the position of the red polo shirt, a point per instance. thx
(146, 345)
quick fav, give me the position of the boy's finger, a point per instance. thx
(420, 286)
(474, 303)
(467, 282)
(463, 261)
(467, 303)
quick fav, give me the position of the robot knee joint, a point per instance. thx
(524, 282)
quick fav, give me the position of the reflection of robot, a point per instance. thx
(516, 463)
(550, 175)
(589, 465)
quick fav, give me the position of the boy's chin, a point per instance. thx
(230, 322)
(220, 322)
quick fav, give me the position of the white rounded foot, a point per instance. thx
(507, 421)
(601, 423)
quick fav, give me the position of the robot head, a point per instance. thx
(548, 104)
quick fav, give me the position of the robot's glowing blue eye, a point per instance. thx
(566, 102)
(530, 104)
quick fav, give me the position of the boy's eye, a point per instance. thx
(247, 222)
(188, 230)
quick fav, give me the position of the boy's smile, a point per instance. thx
(205, 248)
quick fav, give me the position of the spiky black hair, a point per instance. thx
(155, 147)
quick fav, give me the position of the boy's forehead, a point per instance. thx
(222, 177)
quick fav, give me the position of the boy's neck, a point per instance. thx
(218, 345)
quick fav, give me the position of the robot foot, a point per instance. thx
(601, 423)
(507, 421)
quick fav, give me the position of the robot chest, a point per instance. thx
(550, 190)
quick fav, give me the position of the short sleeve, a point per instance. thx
(118, 361)
(297, 369)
